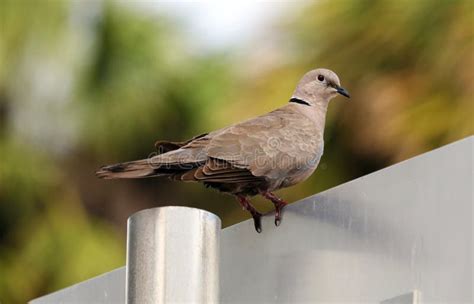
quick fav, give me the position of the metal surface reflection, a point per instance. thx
(403, 228)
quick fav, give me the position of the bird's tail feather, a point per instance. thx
(134, 169)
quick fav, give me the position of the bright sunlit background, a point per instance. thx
(87, 83)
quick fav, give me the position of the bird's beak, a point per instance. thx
(342, 91)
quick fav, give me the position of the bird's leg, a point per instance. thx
(279, 205)
(246, 205)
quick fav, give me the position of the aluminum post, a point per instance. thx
(173, 256)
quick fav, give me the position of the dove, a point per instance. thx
(254, 157)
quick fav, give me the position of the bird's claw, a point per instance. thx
(278, 213)
(279, 205)
(277, 221)
(257, 221)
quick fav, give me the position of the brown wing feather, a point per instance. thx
(217, 171)
(165, 146)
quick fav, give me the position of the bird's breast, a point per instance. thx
(301, 171)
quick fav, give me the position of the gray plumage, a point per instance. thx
(263, 154)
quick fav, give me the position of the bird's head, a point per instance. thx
(319, 86)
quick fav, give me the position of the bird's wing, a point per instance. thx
(217, 171)
(163, 146)
(272, 145)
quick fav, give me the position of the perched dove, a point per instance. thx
(258, 156)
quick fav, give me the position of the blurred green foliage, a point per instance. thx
(85, 85)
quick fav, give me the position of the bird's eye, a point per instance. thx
(321, 78)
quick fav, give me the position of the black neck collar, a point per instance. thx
(300, 101)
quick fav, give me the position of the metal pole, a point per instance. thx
(173, 256)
